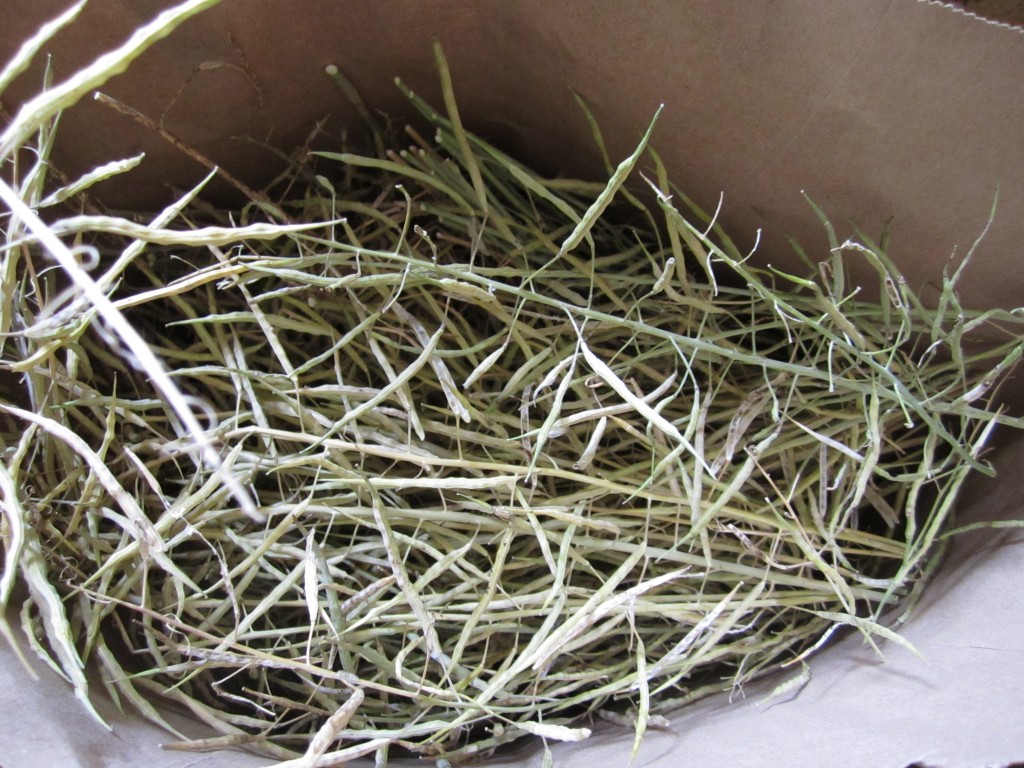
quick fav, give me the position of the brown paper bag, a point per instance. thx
(878, 110)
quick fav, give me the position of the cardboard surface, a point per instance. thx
(879, 109)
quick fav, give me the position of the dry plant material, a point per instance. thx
(432, 453)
